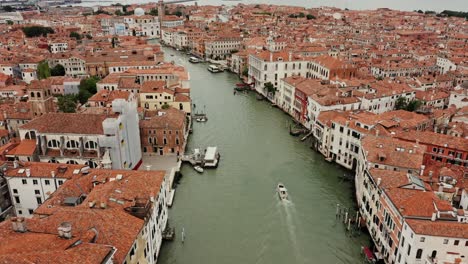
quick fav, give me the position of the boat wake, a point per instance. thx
(288, 214)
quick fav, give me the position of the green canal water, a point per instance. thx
(232, 214)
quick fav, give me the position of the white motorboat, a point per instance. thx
(194, 60)
(198, 169)
(214, 69)
(282, 191)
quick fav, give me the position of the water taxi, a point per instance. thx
(214, 69)
(194, 60)
(282, 192)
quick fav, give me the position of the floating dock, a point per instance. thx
(209, 158)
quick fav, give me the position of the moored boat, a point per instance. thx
(201, 119)
(198, 169)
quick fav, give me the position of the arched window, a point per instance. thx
(72, 162)
(73, 144)
(181, 106)
(419, 253)
(30, 135)
(38, 95)
(91, 164)
(91, 145)
(434, 254)
(32, 94)
(53, 143)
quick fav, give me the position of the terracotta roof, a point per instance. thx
(31, 247)
(115, 225)
(155, 87)
(26, 147)
(439, 228)
(67, 123)
(393, 152)
(431, 138)
(43, 170)
(170, 118)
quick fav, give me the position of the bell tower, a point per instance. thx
(40, 97)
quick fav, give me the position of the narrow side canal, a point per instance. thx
(232, 214)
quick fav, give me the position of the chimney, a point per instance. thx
(290, 55)
(458, 261)
(65, 230)
(28, 172)
(434, 216)
(422, 170)
(377, 133)
(18, 224)
(52, 174)
(15, 164)
(271, 56)
(379, 181)
(430, 175)
(103, 205)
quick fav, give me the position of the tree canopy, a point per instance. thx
(450, 13)
(58, 70)
(309, 17)
(245, 71)
(43, 70)
(8, 9)
(87, 88)
(36, 31)
(270, 88)
(67, 103)
(101, 12)
(404, 104)
(75, 35)
(153, 12)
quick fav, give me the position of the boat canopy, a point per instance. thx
(368, 254)
(210, 153)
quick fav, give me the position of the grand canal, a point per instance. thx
(233, 214)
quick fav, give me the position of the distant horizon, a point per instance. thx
(404, 5)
